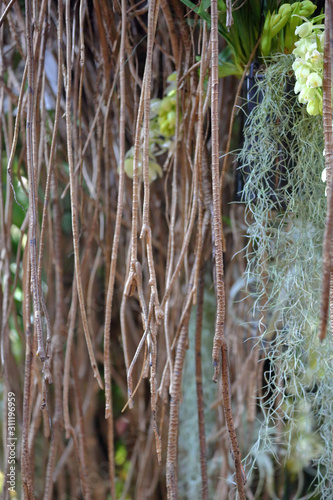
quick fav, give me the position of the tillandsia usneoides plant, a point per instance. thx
(286, 220)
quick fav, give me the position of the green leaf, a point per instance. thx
(226, 66)
(221, 6)
(196, 9)
(228, 69)
(203, 6)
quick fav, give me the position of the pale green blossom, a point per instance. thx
(298, 63)
(302, 73)
(304, 29)
(307, 94)
(313, 107)
(298, 87)
(314, 57)
(308, 67)
(314, 81)
(162, 127)
(303, 46)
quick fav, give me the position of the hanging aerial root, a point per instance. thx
(326, 300)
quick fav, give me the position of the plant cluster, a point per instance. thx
(278, 35)
(253, 21)
(308, 66)
(285, 231)
(162, 128)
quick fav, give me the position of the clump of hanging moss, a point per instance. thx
(282, 160)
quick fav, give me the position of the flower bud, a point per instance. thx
(277, 23)
(307, 8)
(285, 10)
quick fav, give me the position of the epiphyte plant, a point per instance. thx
(253, 22)
(308, 66)
(162, 128)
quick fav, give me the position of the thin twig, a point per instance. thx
(220, 343)
(31, 162)
(73, 191)
(5, 12)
